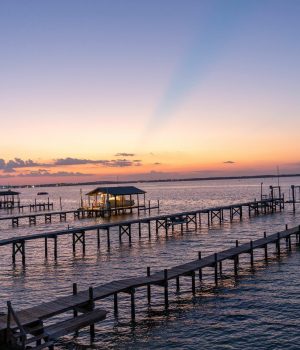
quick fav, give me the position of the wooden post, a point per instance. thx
(83, 242)
(266, 248)
(23, 252)
(278, 244)
(116, 311)
(177, 284)
(46, 247)
(60, 203)
(73, 243)
(166, 289)
(75, 313)
(200, 270)
(293, 198)
(92, 305)
(237, 244)
(13, 253)
(98, 238)
(120, 234)
(55, 247)
(236, 258)
(251, 253)
(108, 238)
(216, 269)
(166, 226)
(129, 233)
(193, 283)
(149, 229)
(132, 291)
(148, 287)
(140, 231)
(130, 198)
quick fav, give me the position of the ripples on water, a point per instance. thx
(257, 311)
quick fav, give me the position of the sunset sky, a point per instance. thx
(148, 89)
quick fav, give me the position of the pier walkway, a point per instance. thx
(21, 327)
(164, 222)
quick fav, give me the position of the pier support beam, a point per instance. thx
(18, 247)
(79, 237)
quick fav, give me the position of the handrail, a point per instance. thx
(12, 313)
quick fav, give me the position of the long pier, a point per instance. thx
(165, 222)
(26, 326)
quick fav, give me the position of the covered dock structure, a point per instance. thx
(116, 199)
(9, 198)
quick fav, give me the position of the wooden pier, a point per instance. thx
(26, 327)
(77, 214)
(125, 228)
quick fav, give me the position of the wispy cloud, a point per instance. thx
(44, 172)
(229, 162)
(124, 155)
(76, 161)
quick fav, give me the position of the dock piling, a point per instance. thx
(148, 287)
(166, 293)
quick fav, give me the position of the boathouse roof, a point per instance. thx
(116, 191)
(9, 193)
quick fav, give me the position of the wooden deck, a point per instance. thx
(82, 299)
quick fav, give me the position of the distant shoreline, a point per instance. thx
(266, 176)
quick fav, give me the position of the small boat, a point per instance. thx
(42, 193)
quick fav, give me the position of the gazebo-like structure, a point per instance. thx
(8, 198)
(119, 197)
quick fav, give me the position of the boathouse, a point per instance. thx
(116, 197)
(8, 198)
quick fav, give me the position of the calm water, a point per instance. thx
(259, 310)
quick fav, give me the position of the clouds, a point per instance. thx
(229, 162)
(10, 166)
